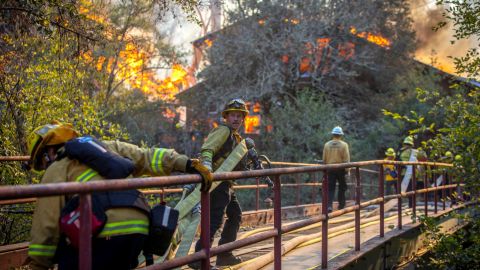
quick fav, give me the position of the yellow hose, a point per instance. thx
(302, 241)
(312, 226)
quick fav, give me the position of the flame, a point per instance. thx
(377, 39)
(132, 65)
(442, 65)
(86, 8)
(168, 113)
(252, 122)
(209, 42)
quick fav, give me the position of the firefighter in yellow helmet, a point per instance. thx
(390, 172)
(447, 157)
(120, 241)
(219, 144)
(407, 153)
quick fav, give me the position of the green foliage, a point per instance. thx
(465, 16)
(460, 250)
(301, 126)
(453, 122)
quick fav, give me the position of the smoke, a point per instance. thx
(435, 47)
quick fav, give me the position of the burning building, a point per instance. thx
(352, 67)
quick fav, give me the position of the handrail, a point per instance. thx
(84, 189)
(42, 190)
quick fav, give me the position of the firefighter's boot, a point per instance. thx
(225, 259)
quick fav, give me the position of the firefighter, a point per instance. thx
(407, 153)
(119, 243)
(390, 172)
(336, 151)
(421, 170)
(217, 147)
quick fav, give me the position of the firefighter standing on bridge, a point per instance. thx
(407, 153)
(336, 151)
(218, 146)
(390, 172)
(119, 243)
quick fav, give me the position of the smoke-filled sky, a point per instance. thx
(433, 47)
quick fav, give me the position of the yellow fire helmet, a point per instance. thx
(390, 152)
(235, 105)
(47, 135)
(408, 140)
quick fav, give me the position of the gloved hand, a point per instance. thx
(207, 164)
(205, 172)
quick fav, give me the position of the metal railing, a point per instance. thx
(85, 189)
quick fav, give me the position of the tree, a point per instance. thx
(349, 52)
(45, 74)
(457, 132)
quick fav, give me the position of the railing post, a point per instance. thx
(357, 211)
(257, 195)
(162, 196)
(444, 191)
(277, 220)
(414, 196)
(314, 192)
(297, 190)
(435, 194)
(325, 220)
(381, 193)
(85, 245)
(205, 228)
(399, 191)
(425, 195)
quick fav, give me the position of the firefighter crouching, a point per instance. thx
(122, 237)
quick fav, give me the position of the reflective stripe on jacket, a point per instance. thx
(215, 142)
(45, 232)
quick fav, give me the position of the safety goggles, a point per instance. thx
(236, 103)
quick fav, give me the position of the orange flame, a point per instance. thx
(252, 123)
(132, 66)
(377, 39)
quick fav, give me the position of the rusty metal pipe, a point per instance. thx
(425, 195)
(399, 204)
(381, 193)
(414, 196)
(14, 158)
(205, 228)
(325, 220)
(357, 211)
(85, 245)
(277, 220)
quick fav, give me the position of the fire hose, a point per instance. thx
(305, 240)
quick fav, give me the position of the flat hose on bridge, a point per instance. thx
(312, 226)
(305, 240)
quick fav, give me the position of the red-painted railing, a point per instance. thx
(85, 189)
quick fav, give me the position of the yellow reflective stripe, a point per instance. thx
(207, 154)
(41, 250)
(157, 160)
(86, 175)
(125, 227)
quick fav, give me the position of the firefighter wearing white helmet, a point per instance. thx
(121, 239)
(336, 151)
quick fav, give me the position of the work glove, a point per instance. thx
(208, 165)
(204, 171)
